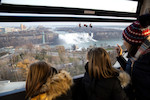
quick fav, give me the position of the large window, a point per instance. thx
(63, 45)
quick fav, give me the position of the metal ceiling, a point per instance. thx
(25, 9)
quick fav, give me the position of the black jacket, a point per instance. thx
(140, 76)
(103, 89)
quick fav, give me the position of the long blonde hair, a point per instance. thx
(37, 76)
(100, 65)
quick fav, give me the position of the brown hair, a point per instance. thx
(37, 76)
(100, 65)
(89, 54)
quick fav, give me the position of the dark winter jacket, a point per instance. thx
(140, 76)
(126, 65)
(105, 89)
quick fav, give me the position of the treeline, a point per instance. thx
(21, 39)
(15, 67)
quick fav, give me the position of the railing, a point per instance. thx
(19, 94)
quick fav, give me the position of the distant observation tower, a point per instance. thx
(43, 37)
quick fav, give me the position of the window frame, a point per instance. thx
(26, 9)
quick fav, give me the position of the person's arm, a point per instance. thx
(120, 58)
(117, 92)
(122, 62)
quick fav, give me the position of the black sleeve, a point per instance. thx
(122, 62)
(118, 93)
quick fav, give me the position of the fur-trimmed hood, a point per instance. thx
(124, 79)
(55, 86)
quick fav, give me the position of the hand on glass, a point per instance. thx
(119, 50)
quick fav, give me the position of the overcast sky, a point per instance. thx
(17, 24)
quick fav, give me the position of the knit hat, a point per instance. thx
(135, 34)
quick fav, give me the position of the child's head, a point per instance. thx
(37, 76)
(100, 64)
(136, 33)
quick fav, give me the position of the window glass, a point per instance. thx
(62, 44)
(111, 5)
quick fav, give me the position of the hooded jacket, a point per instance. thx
(54, 87)
(106, 88)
